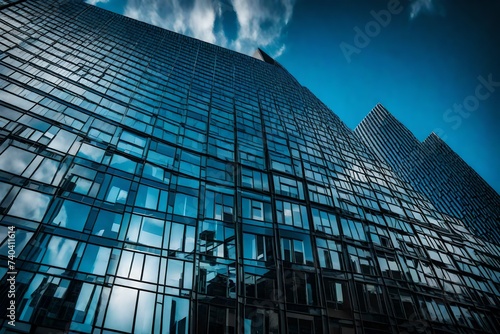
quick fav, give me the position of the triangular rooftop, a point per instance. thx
(261, 55)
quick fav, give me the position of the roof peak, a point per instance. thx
(261, 55)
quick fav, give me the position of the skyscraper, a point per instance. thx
(435, 170)
(154, 183)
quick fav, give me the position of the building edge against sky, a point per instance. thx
(208, 192)
(435, 170)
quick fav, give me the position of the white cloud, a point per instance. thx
(165, 14)
(418, 7)
(279, 52)
(95, 2)
(202, 21)
(30, 204)
(260, 23)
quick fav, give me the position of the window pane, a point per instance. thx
(151, 232)
(177, 237)
(107, 224)
(46, 171)
(62, 141)
(118, 316)
(15, 160)
(59, 251)
(72, 215)
(95, 260)
(147, 197)
(175, 315)
(174, 273)
(144, 321)
(30, 205)
(91, 152)
(186, 205)
(118, 190)
(122, 163)
(249, 246)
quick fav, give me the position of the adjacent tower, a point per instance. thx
(435, 170)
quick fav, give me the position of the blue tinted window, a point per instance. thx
(107, 224)
(72, 215)
(119, 317)
(186, 205)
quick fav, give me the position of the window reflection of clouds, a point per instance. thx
(82, 185)
(15, 160)
(30, 205)
(46, 171)
(91, 152)
(62, 141)
(121, 309)
(59, 251)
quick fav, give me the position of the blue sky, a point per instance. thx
(434, 64)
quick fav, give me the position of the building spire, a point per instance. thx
(261, 55)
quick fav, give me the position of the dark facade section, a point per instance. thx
(159, 184)
(435, 170)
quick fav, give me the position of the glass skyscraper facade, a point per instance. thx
(433, 169)
(159, 184)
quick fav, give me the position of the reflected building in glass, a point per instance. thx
(160, 184)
